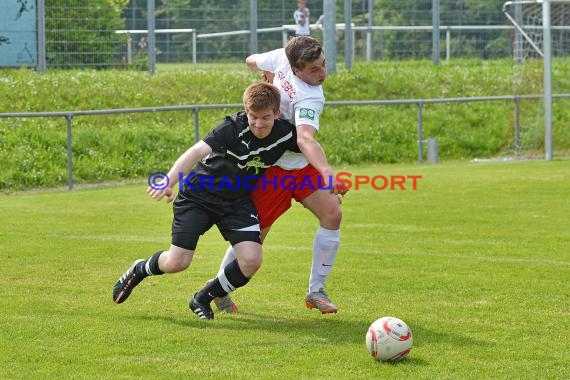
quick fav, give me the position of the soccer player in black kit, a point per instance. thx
(226, 165)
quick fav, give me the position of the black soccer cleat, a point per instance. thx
(125, 285)
(202, 310)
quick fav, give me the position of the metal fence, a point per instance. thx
(419, 103)
(84, 34)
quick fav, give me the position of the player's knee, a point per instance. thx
(180, 265)
(173, 262)
(332, 218)
(249, 264)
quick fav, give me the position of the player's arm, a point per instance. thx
(251, 62)
(183, 165)
(314, 153)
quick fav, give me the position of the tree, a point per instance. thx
(404, 44)
(82, 32)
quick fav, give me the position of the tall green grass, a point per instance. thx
(475, 261)
(33, 151)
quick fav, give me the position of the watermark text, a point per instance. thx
(344, 181)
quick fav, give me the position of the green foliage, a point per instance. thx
(123, 146)
(80, 35)
(231, 15)
(475, 261)
(69, 24)
(404, 44)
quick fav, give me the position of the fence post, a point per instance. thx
(369, 31)
(348, 35)
(129, 50)
(435, 31)
(448, 44)
(253, 26)
(69, 119)
(151, 38)
(41, 21)
(517, 127)
(432, 151)
(194, 47)
(196, 124)
(420, 133)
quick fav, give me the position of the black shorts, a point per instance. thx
(236, 220)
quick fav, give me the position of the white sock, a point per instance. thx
(325, 249)
(228, 258)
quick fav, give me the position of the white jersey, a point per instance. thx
(301, 103)
(302, 30)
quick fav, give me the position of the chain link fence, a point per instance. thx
(94, 33)
(80, 34)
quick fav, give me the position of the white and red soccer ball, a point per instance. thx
(389, 339)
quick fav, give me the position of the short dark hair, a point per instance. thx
(301, 50)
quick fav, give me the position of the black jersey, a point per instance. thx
(238, 158)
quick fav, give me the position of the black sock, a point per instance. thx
(151, 267)
(232, 279)
(210, 291)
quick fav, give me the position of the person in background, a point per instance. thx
(301, 17)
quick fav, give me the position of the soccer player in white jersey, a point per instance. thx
(301, 17)
(299, 71)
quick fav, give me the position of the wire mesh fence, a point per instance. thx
(95, 34)
(80, 34)
(86, 34)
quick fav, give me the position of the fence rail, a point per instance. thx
(84, 34)
(368, 43)
(196, 108)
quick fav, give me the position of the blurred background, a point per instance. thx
(94, 33)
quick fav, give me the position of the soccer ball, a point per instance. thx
(389, 339)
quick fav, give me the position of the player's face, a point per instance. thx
(313, 73)
(261, 122)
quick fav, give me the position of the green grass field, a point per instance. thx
(475, 260)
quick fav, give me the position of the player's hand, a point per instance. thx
(340, 189)
(334, 186)
(267, 76)
(158, 194)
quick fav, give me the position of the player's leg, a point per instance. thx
(325, 248)
(326, 207)
(230, 253)
(235, 275)
(188, 225)
(240, 226)
(271, 201)
(175, 259)
(226, 303)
